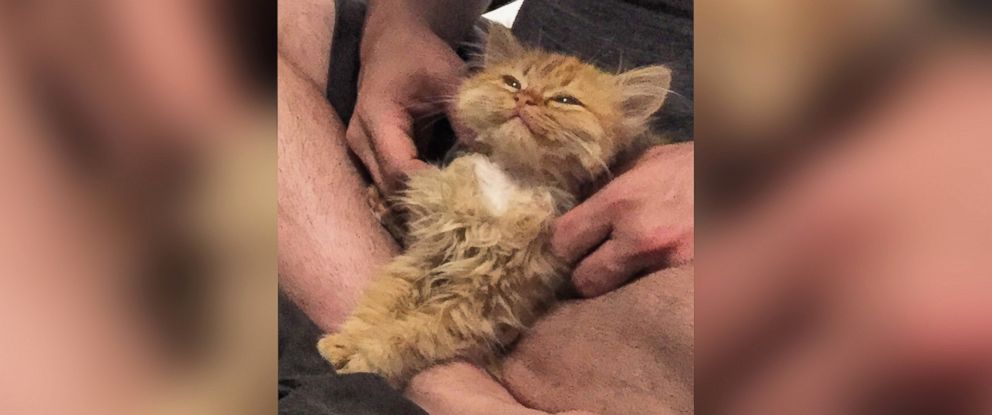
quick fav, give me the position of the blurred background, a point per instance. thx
(137, 256)
(844, 207)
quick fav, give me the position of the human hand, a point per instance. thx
(639, 222)
(405, 76)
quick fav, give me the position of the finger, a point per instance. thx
(358, 141)
(611, 265)
(392, 142)
(581, 229)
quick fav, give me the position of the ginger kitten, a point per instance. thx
(477, 269)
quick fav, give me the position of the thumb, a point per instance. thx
(391, 128)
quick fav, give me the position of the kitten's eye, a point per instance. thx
(566, 99)
(511, 82)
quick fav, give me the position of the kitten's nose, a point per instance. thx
(524, 99)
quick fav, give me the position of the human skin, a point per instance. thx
(312, 228)
(639, 222)
(588, 352)
(632, 341)
(329, 244)
(405, 75)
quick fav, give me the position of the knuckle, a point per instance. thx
(620, 203)
(652, 242)
(597, 276)
(610, 267)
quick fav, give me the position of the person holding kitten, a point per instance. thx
(408, 69)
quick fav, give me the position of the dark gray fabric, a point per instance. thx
(613, 34)
(675, 7)
(342, 73)
(609, 33)
(309, 386)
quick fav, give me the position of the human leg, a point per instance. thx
(329, 242)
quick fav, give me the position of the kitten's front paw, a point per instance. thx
(343, 355)
(336, 349)
(356, 364)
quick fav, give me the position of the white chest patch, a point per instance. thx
(497, 189)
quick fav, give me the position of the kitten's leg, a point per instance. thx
(389, 297)
(416, 344)
(379, 308)
(401, 348)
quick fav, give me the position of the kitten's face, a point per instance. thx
(555, 113)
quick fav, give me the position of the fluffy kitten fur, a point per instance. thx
(477, 269)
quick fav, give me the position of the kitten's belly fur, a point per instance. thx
(477, 271)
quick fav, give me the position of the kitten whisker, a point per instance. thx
(427, 116)
(474, 44)
(477, 282)
(425, 122)
(678, 94)
(439, 98)
(440, 104)
(429, 105)
(672, 92)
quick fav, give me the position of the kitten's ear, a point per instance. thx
(501, 45)
(644, 90)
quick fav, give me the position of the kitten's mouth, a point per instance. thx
(523, 121)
